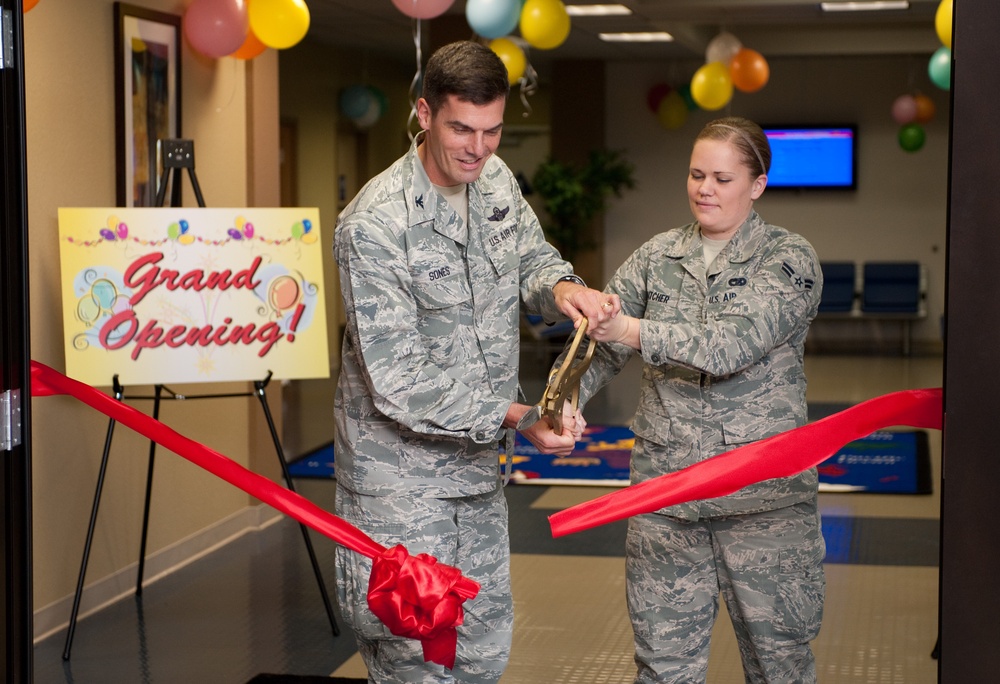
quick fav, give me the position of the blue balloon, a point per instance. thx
(939, 68)
(493, 18)
(307, 224)
(355, 100)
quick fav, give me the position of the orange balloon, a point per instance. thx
(925, 108)
(251, 47)
(28, 4)
(749, 70)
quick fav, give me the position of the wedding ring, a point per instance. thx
(607, 304)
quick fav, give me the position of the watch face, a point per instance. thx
(529, 418)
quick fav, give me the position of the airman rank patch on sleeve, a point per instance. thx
(798, 282)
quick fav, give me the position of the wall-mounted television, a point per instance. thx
(813, 156)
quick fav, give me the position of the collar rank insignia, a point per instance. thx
(419, 201)
(798, 282)
(498, 214)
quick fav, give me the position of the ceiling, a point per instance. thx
(772, 27)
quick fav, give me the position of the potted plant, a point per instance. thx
(573, 195)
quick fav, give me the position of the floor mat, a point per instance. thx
(883, 462)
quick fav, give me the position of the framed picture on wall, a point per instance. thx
(147, 98)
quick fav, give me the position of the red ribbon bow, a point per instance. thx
(421, 590)
(782, 455)
(417, 597)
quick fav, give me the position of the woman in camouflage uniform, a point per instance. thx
(719, 310)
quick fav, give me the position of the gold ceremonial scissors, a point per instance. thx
(563, 386)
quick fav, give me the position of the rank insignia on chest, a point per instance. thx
(498, 214)
(799, 282)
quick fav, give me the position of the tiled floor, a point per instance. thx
(253, 606)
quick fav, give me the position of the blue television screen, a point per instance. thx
(812, 156)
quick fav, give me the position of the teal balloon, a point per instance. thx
(911, 137)
(493, 18)
(939, 68)
(355, 100)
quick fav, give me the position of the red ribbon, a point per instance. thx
(781, 455)
(437, 589)
(430, 614)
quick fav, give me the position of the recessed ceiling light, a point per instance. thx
(597, 10)
(637, 37)
(864, 6)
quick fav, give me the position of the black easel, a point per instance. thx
(178, 155)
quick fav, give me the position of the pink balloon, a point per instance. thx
(904, 109)
(122, 231)
(216, 28)
(423, 9)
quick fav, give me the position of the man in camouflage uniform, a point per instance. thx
(719, 312)
(435, 254)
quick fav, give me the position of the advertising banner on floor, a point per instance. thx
(192, 295)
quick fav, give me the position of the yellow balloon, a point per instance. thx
(712, 86)
(672, 111)
(544, 23)
(942, 22)
(512, 56)
(279, 24)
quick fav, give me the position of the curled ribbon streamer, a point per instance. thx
(437, 588)
(781, 455)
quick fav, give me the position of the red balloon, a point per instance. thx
(28, 4)
(749, 70)
(423, 9)
(656, 95)
(216, 28)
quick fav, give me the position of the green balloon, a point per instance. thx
(911, 137)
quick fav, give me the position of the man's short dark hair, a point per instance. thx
(469, 70)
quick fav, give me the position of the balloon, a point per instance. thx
(925, 108)
(749, 70)
(235, 234)
(672, 111)
(722, 48)
(939, 68)
(512, 56)
(121, 231)
(544, 23)
(685, 92)
(942, 22)
(184, 226)
(251, 47)
(421, 9)
(655, 96)
(107, 234)
(216, 28)
(173, 231)
(711, 86)
(279, 23)
(493, 18)
(371, 114)
(911, 137)
(904, 109)
(248, 230)
(355, 101)
(28, 4)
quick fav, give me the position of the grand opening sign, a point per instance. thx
(192, 295)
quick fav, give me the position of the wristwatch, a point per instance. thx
(530, 418)
(573, 278)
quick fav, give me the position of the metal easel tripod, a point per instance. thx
(178, 155)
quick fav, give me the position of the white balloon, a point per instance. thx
(722, 48)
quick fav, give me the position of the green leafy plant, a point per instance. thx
(574, 194)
